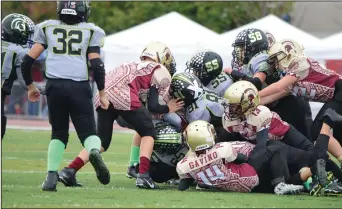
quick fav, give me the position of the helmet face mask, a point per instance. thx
(283, 52)
(243, 99)
(250, 42)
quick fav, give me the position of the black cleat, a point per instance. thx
(133, 171)
(50, 182)
(68, 177)
(333, 189)
(101, 169)
(321, 174)
(145, 181)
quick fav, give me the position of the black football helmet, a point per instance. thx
(168, 140)
(206, 65)
(248, 43)
(186, 87)
(17, 28)
(73, 12)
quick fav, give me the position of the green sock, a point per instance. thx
(55, 154)
(134, 157)
(307, 184)
(92, 142)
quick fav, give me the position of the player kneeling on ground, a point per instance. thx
(169, 148)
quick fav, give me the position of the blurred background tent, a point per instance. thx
(190, 26)
(182, 35)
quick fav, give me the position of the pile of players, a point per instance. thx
(243, 129)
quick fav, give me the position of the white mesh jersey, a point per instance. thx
(220, 84)
(214, 168)
(208, 108)
(67, 47)
(258, 120)
(315, 82)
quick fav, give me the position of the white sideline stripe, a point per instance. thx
(44, 172)
(49, 129)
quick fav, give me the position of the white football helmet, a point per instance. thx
(242, 97)
(270, 38)
(160, 53)
(282, 52)
(199, 135)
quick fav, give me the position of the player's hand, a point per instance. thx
(175, 105)
(228, 70)
(33, 93)
(104, 102)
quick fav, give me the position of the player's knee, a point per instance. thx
(105, 144)
(84, 136)
(62, 136)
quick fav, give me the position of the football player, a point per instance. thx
(69, 40)
(251, 58)
(154, 98)
(169, 148)
(200, 103)
(243, 114)
(224, 165)
(305, 77)
(207, 66)
(16, 35)
(211, 164)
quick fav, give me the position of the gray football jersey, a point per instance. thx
(171, 160)
(208, 108)
(258, 63)
(67, 47)
(220, 84)
(11, 58)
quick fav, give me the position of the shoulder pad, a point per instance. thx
(261, 117)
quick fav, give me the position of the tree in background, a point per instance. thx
(115, 16)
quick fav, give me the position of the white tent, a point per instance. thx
(172, 29)
(279, 28)
(182, 35)
(335, 39)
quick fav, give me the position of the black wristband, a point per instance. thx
(26, 66)
(99, 72)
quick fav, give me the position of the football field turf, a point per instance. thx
(24, 170)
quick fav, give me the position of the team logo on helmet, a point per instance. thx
(19, 24)
(288, 46)
(250, 93)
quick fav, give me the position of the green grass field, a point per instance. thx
(24, 170)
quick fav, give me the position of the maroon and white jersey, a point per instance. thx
(128, 85)
(314, 81)
(214, 168)
(258, 120)
(242, 147)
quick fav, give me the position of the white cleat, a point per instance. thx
(288, 189)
